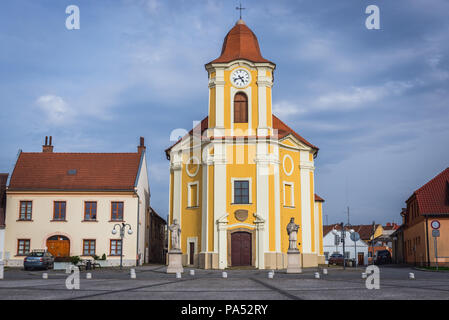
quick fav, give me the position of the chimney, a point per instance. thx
(141, 148)
(47, 147)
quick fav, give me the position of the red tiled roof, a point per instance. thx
(391, 226)
(240, 43)
(318, 198)
(433, 197)
(281, 127)
(94, 171)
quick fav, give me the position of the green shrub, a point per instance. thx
(75, 260)
(103, 257)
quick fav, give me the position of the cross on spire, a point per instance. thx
(240, 8)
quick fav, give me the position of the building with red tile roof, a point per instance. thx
(68, 203)
(429, 203)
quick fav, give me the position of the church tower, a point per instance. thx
(239, 176)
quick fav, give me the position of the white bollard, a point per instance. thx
(133, 275)
(411, 276)
(324, 271)
(270, 275)
(192, 272)
(45, 276)
(178, 275)
(317, 275)
(364, 275)
(224, 274)
(88, 275)
(68, 269)
(2, 270)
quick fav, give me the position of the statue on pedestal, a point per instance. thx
(175, 254)
(294, 259)
(292, 230)
(175, 229)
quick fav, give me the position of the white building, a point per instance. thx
(69, 203)
(353, 250)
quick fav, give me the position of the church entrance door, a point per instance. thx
(241, 249)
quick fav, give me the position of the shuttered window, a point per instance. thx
(240, 108)
(289, 196)
(193, 194)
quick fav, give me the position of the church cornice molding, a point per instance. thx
(306, 165)
(241, 62)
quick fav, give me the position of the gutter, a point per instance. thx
(138, 205)
(138, 227)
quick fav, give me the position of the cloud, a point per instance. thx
(285, 108)
(56, 110)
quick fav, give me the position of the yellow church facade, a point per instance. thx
(241, 174)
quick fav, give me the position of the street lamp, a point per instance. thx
(122, 228)
(343, 239)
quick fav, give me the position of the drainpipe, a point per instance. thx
(138, 228)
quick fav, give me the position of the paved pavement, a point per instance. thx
(153, 283)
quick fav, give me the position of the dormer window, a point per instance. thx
(240, 108)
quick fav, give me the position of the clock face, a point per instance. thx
(240, 78)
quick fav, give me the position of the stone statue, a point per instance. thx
(175, 229)
(292, 230)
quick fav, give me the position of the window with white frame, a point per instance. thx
(289, 194)
(193, 195)
(241, 190)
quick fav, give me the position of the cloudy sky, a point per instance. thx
(376, 102)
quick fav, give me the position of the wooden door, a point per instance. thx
(361, 259)
(241, 249)
(192, 253)
(59, 248)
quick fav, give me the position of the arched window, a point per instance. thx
(240, 108)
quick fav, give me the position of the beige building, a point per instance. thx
(69, 203)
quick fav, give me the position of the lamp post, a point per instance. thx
(122, 228)
(343, 239)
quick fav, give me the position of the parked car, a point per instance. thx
(336, 258)
(382, 257)
(41, 260)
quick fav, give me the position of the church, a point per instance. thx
(241, 173)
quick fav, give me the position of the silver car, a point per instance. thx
(41, 260)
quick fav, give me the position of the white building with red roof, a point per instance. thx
(69, 203)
